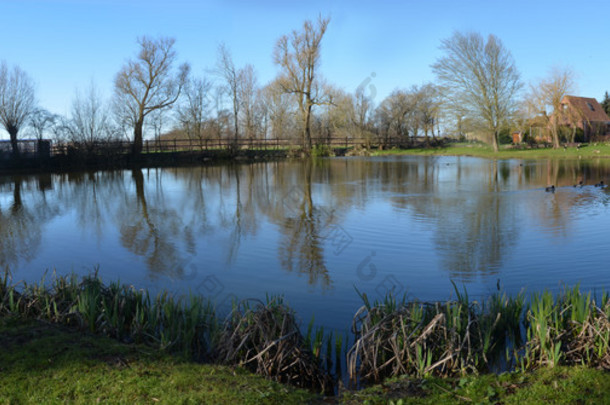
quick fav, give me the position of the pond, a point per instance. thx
(317, 231)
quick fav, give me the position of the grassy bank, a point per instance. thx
(481, 150)
(49, 363)
(459, 340)
(561, 385)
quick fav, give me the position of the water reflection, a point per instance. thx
(468, 214)
(151, 228)
(301, 246)
(474, 240)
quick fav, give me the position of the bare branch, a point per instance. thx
(148, 84)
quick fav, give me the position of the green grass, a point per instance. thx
(47, 363)
(560, 385)
(44, 363)
(83, 341)
(593, 150)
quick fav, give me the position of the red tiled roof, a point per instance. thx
(589, 108)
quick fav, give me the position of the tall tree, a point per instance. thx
(362, 111)
(90, 120)
(396, 115)
(233, 78)
(194, 110)
(279, 110)
(544, 100)
(427, 108)
(481, 77)
(298, 55)
(17, 101)
(606, 103)
(249, 101)
(42, 121)
(148, 83)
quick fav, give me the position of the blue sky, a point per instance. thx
(63, 45)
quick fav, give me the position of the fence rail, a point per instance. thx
(199, 145)
(29, 148)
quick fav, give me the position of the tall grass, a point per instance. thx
(396, 337)
(570, 328)
(174, 324)
(392, 336)
(264, 337)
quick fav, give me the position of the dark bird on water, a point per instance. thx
(550, 189)
(579, 184)
(600, 184)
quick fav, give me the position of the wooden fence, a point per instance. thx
(28, 148)
(33, 148)
(199, 145)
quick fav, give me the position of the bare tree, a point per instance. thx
(263, 113)
(232, 76)
(42, 121)
(298, 55)
(249, 100)
(396, 115)
(363, 109)
(89, 122)
(548, 94)
(278, 106)
(157, 122)
(481, 77)
(428, 108)
(17, 101)
(147, 84)
(194, 110)
(336, 119)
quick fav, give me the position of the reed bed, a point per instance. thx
(265, 337)
(570, 328)
(185, 324)
(396, 337)
(391, 336)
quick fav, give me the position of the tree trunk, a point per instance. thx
(12, 131)
(307, 132)
(494, 141)
(555, 137)
(137, 138)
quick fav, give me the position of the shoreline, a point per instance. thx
(188, 329)
(47, 363)
(63, 163)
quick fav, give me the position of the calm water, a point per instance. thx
(315, 232)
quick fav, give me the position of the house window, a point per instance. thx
(590, 106)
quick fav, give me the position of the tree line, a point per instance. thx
(478, 91)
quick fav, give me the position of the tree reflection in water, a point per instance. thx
(21, 224)
(301, 246)
(473, 209)
(152, 230)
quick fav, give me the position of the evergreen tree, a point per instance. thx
(606, 103)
